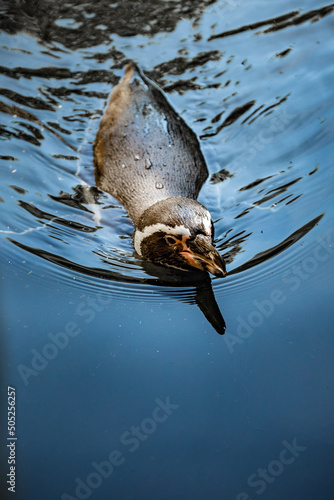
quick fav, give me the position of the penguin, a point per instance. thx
(147, 158)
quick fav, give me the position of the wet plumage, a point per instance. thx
(150, 160)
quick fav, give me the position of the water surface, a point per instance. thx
(254, 82)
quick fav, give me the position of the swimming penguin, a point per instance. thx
(150, 160)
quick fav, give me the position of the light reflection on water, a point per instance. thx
(259, 96)
(243, 125)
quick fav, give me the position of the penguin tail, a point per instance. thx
(130, 69)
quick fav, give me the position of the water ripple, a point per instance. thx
(265, 134)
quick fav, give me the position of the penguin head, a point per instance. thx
(178, 232)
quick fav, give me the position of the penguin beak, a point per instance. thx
(200, 253)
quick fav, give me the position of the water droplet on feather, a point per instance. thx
(148, 163)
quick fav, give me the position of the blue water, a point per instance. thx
(124, 390)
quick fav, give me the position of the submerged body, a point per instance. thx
(150, 160)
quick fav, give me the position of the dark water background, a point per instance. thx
(254, 80)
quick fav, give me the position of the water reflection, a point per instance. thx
(168, 277)
(50, 113)
(293, 18)
(271, 182)
(193, 287)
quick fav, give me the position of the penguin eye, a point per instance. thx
(170, 240)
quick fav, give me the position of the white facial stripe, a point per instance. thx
(207, 223)
(140, 235)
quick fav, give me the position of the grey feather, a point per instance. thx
(144, 152)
